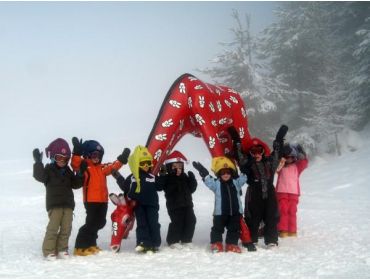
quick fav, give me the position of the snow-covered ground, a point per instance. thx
(333, 223)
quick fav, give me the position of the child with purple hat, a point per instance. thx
(59, 181)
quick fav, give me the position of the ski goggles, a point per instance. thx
(61, 158)
(225, 172)
(256, 150)
(145, 163)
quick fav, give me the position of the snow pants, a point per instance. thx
(259, 209)
(288, 212)
(58, 231)
(96, 213)
(182, 225)
(232, 224)
(147, 226)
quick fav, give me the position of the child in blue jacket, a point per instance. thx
(228, 206)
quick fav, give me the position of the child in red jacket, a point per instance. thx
(292, 164)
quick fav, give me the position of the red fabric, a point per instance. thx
(288, 211)
(123, 220)
(205, 110)
(245, 235)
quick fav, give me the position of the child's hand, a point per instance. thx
(191, 175)
(123, 158)
(37, 156)
(203, 172)
(77, 146)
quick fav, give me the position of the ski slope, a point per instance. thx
(333, 225)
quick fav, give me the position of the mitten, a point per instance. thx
(279, 139)
(234, 134)
(37, 156)
(116, 174)
(77, 146)
(191, 175)
(203, 172)
(123, 158)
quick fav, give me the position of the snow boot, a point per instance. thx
(233, 248)
(83, 252)
(250, 247)
(283, 234)
(217, 247)
(292, 234)
(51, 257)
(177, 246)
(272, 245)
(95, 249)
(63, 255)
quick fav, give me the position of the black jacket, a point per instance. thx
(148, 189)
(59, 183)
(178, 190)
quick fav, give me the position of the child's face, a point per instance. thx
(225, 174)
(178, 167)
(95, 157)
(145, 165)
(289, 160)
(257, 152)
(61, 160)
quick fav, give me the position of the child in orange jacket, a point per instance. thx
(95, 191)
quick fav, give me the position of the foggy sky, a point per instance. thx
(100, 70)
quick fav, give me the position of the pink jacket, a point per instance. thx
(288, 179)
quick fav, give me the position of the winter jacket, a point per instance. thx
(95, 183)
(261, 174)
(288, 178)
(148, 191)
(59, 183)
(221, 199)
(178, 190)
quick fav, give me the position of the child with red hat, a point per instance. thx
(59, 181)
(178, 189)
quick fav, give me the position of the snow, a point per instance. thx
(333, 239)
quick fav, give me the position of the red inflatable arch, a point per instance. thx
(205, 110)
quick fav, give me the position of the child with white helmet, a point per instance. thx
(178, 188)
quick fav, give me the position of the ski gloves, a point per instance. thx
(279, 139)
(37, 156)
(77, 146)
(203, 172)
(123, 158)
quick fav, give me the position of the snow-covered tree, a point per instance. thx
(236, 68)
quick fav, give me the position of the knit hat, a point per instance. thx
(58, 147)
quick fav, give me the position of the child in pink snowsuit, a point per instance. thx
(292, 164)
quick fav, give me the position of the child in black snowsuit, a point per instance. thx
(260, 199)
(59, 181)
(228, 206)
(178, 188)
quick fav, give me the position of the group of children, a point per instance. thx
(275, 208)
